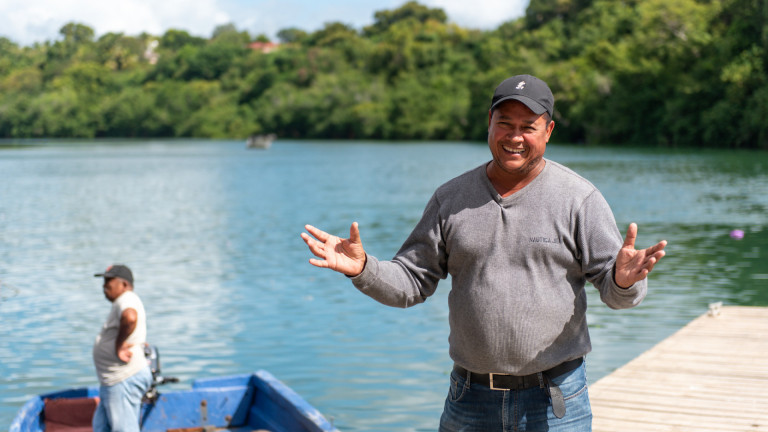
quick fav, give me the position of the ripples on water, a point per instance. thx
(211, 231)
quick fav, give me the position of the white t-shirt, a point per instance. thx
(109, 368)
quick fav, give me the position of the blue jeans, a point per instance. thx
(120, 404)
(476, 408)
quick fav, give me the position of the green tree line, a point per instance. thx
(624, 72)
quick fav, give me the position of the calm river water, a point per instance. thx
(211, 231)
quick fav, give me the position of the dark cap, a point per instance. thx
(117, 270)
(528, 89)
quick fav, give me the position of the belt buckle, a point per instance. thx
(490, 381)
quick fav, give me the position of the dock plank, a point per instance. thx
(711, 375)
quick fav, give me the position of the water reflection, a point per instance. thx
(211, 231)
(7, 291)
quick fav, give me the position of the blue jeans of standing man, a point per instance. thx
(472, 407)
(120, 404)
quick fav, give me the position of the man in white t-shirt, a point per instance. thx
(118, 354)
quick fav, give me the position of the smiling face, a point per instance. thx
(517, 138)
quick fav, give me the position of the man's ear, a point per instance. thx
(550, 128)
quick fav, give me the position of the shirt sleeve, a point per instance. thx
(413, 274)
(600, 242)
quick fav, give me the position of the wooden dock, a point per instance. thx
(712, 375)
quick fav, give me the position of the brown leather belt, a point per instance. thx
(514, 382)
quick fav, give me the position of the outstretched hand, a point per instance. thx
(633, 265)
(342, 255)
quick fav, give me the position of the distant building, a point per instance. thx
(264, 47)
(149, 54)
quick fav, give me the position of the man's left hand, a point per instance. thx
(124, 352)
(633, 265)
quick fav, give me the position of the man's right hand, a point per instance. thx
(342, 255)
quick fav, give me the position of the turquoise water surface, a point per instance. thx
(211, 231)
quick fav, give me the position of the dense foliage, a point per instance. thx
(650, 72)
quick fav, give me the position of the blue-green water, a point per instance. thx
(211, 231)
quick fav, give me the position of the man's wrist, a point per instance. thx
(617, 282)
(362, 269)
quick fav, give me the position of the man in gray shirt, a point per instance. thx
(520, 236)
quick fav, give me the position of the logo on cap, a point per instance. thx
(520, 85)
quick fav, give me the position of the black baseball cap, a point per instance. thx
(117, 270)
(529, 90)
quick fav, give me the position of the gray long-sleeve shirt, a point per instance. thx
(518, 267)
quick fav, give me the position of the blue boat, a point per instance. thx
(238, 403)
